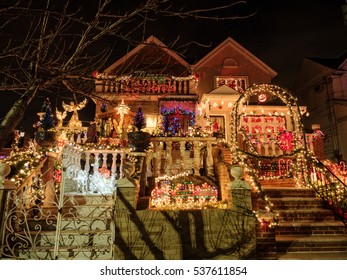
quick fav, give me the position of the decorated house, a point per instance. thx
(181, 101)
(180, 161)
(177, 96)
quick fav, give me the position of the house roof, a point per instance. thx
(333, 63)
(223, 90)
(149, 48)
(313, 69)
(239, 49)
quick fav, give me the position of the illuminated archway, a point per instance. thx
(261, 93)
(248, 157)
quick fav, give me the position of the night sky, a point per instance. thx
(281, 34)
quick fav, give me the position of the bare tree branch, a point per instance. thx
(54, 45)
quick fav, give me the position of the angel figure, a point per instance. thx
(60, 116)
(74, 121)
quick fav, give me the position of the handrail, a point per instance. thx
(252, 172)
(329, 187)
(267, 217)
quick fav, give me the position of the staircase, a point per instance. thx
(82, 230)
(307, 229)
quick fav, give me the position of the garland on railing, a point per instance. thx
(22, 164)
(329, 186)
(291, 141)
(267, 218)
(147, 81)
(103, 145)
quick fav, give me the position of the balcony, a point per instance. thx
(147, 86)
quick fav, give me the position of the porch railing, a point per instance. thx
(172, 155)
(103, 161)
(267, 144)
(330, 186)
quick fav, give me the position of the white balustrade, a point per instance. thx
(92, 160)
(267, 144)
(170, 163)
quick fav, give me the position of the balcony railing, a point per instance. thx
(147, 86)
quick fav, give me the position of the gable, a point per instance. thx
(223, 90)
(153, 57)
(310, 72)
(231, 54)
(343, 64)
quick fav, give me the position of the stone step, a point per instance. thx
(68, 253)
(76, 238)
(301, 215)
(102, 223)
(323, 255)
(91, 211)
(311, 228)
(291, 203)
(281, 183)
(70, 221)
(75, 210)
(278, 192)
(302, 243)
(89, 199)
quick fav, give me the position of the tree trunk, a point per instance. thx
(15, 114)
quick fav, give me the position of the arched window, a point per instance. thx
(230, 63)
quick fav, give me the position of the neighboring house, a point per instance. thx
(322, 86)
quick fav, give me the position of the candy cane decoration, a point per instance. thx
(279, 166)
(342, 166)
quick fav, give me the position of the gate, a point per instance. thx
(64, 213)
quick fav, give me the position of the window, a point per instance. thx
(218, 126)
(230, 63)
(177, 120)
(235, 82)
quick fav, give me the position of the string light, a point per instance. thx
(171, 193)
(23, 163)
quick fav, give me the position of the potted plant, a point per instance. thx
(45, 136)
(139, 139)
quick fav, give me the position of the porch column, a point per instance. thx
(209, 159)
(196, 163)
(183, 154)
(156, 159)
(168, 157)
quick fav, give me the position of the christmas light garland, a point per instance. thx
(179, 192)
(22, 164)
(289, 141)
